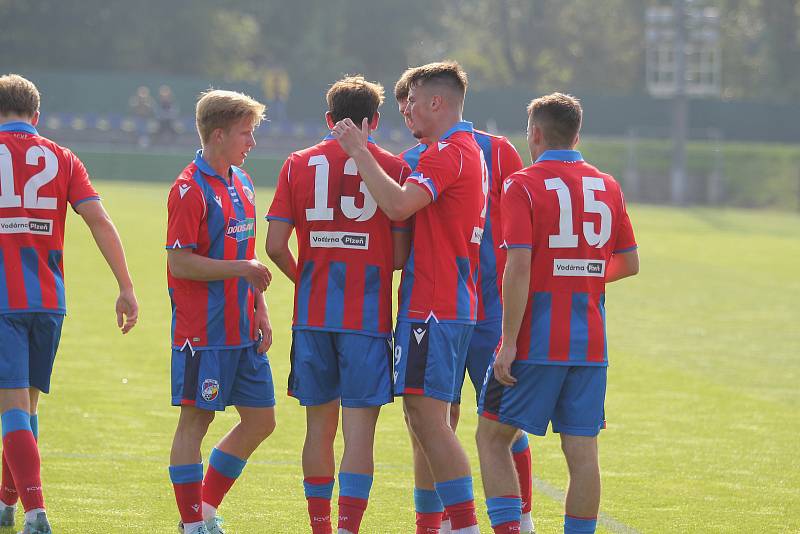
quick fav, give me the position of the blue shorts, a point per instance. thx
(482, 345)
(214, 379)
(28, 344)
(571, 396)
(355, 368)
(429, 359)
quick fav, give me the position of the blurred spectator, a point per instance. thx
(167, 114)
(276, 86)
(142, 107)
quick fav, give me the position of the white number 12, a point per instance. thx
(30, 194)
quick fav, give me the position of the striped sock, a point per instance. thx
(318, 491)
(579, 525)
(457, 497)
(429, 510)
(22, 454)
(187, 481)
(223, 470)
(8, 489)
(353, 498)
(521, 453)
(504, 513)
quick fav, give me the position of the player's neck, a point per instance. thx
(445, 126)
(217, 162)
(14, 118)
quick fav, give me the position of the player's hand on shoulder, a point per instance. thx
(350, 137)
(502, 365)
(257, 274)
(127, 310)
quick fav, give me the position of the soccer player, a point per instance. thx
(220, 326)
(502, 160)
(38, 178)
(567, 234)
(341, 341)
(438, 295)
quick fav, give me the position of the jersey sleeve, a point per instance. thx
(186, 209)
(626, 241)
(509, 159)
(281, 207)
(516, 215)
(80, 188)
(437, 170)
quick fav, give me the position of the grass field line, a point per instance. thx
(542, 486)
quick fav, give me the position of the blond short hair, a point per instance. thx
(18, 96)
(558, 116)
(402, 85)
(222, 109)
(355, 98)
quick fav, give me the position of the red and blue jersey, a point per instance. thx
(344, 241)
(215, 216)
(38, 178)
(439, 279)
(573, 218)
(501, 160)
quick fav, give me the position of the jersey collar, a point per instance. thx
(18, 126)
(330, 137)
(460, 126)
(205, 168)
(570, 156)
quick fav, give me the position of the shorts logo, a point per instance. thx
(240, 230)
(398, 355)
(595, 268)
(351, 240)
(249, 195)
(210, 389)
(419, 333)
(26, 225)
(477, 235)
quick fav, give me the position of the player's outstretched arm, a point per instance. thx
(622, 265)
(184, 263)
(516, 281)
(277, 247)
(397, 202)
(108, 241)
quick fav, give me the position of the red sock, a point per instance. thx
(462, 515)
(8, 491)
(22, 453)
(319, 512)
(190, 501)
(351, 510)
(522, 462)
(512, 527)
(429, 523)
(215, 486)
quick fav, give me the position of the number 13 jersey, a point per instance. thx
(344, 241)
(573, 218)
(37, 180)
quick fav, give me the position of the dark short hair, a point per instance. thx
(355, 98)
(447, 73)
(559, 117)
(18, 96)
(402, 85)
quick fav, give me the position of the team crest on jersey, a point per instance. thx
(249, 195)
(240, 230)
(210, 389)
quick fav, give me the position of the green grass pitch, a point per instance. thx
(702, 403)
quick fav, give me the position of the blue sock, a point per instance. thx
(455, 491)
(355, 485)
(579, 525)
(520, 445)
(314, 487)
(226, 464)
(14, 420)
(504, 510)
(185, 474)
(427, 501)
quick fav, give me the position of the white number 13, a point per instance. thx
(321, 211)
(566, 238)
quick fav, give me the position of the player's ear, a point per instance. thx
(538, 136)
(329, 119)
(576, 140)
(35, 119)
(376, 118)
(436, 102)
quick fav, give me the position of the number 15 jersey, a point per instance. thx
(344, 241)
(573, 218)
